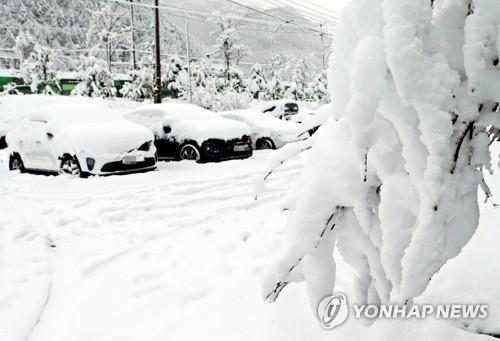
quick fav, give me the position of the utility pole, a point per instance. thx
(134, 61)
(322, 35)
(188, 52)
(157, 79)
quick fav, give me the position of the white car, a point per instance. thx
(268, 132)
(58, 140)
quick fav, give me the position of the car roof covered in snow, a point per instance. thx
(260, 122)
(15, 108)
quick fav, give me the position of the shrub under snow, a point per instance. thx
(394, 182)
(96, 80)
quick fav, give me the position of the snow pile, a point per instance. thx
(187, 122)
(394, 181)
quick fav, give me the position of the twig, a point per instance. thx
(280, 285)
(468, 130)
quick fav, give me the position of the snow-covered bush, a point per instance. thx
(257, 83)
(236, 81)
(394, 182)
(298, 87)
(96, 80)
(317, 90)
(176, 78)
(141, 86)
(276, 88)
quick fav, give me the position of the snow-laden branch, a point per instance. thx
(416, 91)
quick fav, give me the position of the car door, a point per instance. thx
(37, 145)
(166, 146)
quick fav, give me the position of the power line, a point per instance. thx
(314, 9)
(206, 15)
(284, 20)
(311, 14)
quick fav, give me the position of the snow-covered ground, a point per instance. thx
(178, 254)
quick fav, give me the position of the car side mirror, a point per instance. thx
(50, 136)
(167, 129)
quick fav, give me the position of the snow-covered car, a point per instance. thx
(282, 109)
(188, 132)
(268, 132)
(81, 145)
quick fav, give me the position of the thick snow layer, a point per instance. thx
(187, 121)
(176, 255)
(16, 107)
(263, 124)
(77, 125)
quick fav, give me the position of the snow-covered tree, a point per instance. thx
(257, 83)
(96, 80)
(393, 177)
(237, 82)
(276, 88)
(141, 86)
(109, 29)
(299, 80)
(24, 45)
(227, 39)
(175, 78)
(39, 70)
(317, 90)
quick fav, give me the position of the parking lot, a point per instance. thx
(106, 248)
(172, 254)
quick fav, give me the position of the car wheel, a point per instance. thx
(190, 152)
(71, 166)
(265, 143)
(16, 163)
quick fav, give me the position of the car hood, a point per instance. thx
(102, 138)
(214, 128)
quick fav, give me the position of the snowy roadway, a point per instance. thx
(176, 255)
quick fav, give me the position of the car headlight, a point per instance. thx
(212, 149)
(90, 163)
(145, 146)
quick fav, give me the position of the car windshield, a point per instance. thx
(291, 108)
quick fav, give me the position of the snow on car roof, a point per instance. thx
(260, 122)
(176, 111)
(15, 108)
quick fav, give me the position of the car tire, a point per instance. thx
(71, 166)
(265, 143)
(190, 152)
(16, 163)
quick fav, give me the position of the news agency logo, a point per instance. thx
(334, 310)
